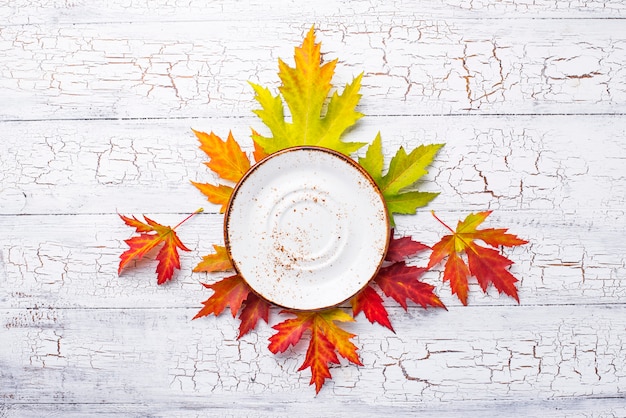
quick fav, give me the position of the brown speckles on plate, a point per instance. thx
(307, 228)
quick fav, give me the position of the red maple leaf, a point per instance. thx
(230, 291)
(327, 339)
(402, 248)
(151, 234)
(486, 264)
(235, 293)
(255, 308)
(370, 303)
(398, 281)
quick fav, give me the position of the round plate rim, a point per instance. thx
(317, 149)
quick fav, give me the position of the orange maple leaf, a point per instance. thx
(230, 291)
(215, 262)
(319, 355)
(151, 234)
(327, 339)
(456, 272)
(259, 152)
(227, 159)
(233, 291)
(218, 195)
(486, 264)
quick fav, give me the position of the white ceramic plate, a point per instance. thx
(307, 228)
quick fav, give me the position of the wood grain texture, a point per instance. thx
(70, 261)
(96, 104)
(194, 69)
(573, 351)
(541, 162)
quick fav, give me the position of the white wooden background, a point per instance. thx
(97, 99)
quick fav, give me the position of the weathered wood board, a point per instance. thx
(96, 104)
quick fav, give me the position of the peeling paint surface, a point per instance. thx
(96, 104)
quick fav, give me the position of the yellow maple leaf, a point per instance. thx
(305, 89)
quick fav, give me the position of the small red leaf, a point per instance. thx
(255, 308)
(441, 250)
(489, 266)
(136, 223)
(498, 237)
(370, 303)
(399, 282)
(403, 247)
(289, 332)
(139, 246)
(168, 258)
(230, 291)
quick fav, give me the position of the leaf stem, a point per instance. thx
(442, 222)
(200, 210)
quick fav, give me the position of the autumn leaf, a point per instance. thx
(401, 248)
(255, 309)
(319, 355)
(290, 331)
(151, 234)
(400, 282)
(218, 195)
(486, 264)
(227, 159)
(137, 224)
(456, 272)
(373, 161)
(219, 261)
(404, 171)
(305, 89)
(327, 339)
(235, 293)
(370, 303)
(259, 153)
(230, 291)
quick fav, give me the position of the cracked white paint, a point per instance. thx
(528, 96)
(413, 66)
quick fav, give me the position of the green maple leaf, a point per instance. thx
(304, 89)
(404, 171)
